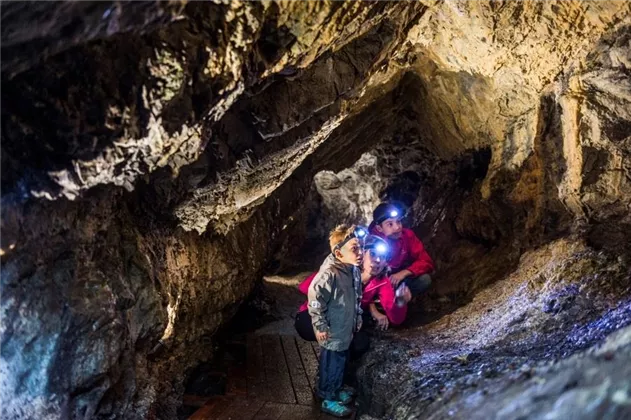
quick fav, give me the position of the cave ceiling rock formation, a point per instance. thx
(177, 83)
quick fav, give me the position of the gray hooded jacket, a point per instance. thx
(334, 302)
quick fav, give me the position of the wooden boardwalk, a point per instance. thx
(276, 383)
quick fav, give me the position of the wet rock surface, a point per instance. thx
(159, 158)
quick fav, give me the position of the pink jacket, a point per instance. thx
(376, 288)
(304, 289)
(381, 288)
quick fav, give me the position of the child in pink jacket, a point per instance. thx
(377, 287)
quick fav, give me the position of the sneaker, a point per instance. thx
(344, 397)
(349, 389)
(336, 409)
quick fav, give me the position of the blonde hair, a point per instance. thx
(338, 234)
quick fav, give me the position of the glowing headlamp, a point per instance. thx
(387, 211)
(381, 249)
(377, 247)
(360, 233)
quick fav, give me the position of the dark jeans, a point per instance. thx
(418, 285)
(331, 372)
(304, 328)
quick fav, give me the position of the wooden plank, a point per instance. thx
(194, 400)
(325, 416)
(299, 412)
(270, 411)
(309, 361)
(242, 409)
(297, 372)
(238, 339)
(237, 383)
(213, 408)
(276, 370)
(256, 381)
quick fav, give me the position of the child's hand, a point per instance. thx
(407, 295)
(382, 321)
(322, 336)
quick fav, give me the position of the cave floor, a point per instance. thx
(267, 370)
(274, 382)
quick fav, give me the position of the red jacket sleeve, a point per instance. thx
(395, 314)
(422, 263)
(304, 286)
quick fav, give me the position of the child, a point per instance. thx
(334, 306)
(377, 286)
(302, 322)
(408, 261)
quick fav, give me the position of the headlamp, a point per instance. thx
(377, 247)
(387, 211)
(381, 249)
(359, 232)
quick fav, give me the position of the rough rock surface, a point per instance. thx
(508, 341)
(504, 126)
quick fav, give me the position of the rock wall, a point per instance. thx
(530, 345)
(503, 125)
(107, 301)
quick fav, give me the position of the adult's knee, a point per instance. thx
(419, 284)
(425, 281)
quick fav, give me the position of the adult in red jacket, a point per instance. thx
(409, 261)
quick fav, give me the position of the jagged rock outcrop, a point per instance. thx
(503, 125)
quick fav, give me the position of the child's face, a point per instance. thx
(392, 228)
(350, 253)
(373, 263)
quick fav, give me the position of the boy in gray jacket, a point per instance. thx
(334, 305)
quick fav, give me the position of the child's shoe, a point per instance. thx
(349, 389)
(345, 395)
(335, 408)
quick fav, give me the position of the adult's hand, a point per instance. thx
(322, 336)
(397, 278)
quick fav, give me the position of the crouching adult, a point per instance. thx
(409, 262)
